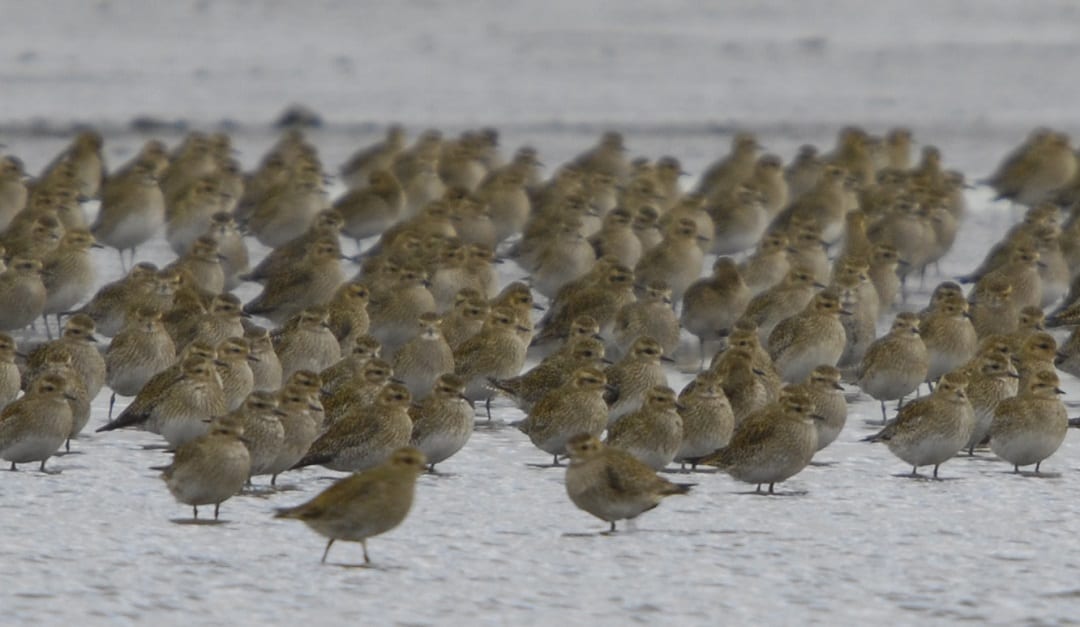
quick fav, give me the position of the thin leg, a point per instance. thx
(1037, 464)
(884, 419)
(935, 470)
(771, 488)
(758, 489)
(273, 480)
(1016, 469)
(217, 506)
(327, 551)
(612, 529)
(43, 465)
(194, 508)
(487, 406)
(431, 468)
(554, 460)
(45, 321)
(123, 266)
(13, 468)
(363, 544)
(914, 471)
(112, 401)
(971, 451)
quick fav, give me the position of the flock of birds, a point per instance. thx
(379, 375)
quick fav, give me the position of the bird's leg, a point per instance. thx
(1016, 469)
(758, 489)
(554, 460)
(612, 530)
(327, 551)
(195, 512)
(487, 406)
(771, 489)
(935, 470)
(112, 401)
(45, 321)
(914, 471)
(217, 506)
(273, 481)
(43, 465)
(363, 544)
(883, 418)
(122, 264)
(1037, 464)
(13, 468)
(67, 446)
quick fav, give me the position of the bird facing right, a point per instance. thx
(612, 484)
(364, 504)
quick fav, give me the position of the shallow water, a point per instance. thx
(495, 540)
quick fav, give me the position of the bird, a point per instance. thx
(991, 379)
(264, 434)
(234, 370)
(10, 377)
(677, 259)
(654, 432)
(301, 416)
(949, 337)
(132, 210)
(363, 504)
(895, 364)
(264, 362)
(68, 273)
(650, 315)
(424, 358)
(630, 378)
(442, 421)
(496, 352)
(933, 429)
(612, 484)
(771, 445)
(140, 350)
(179, 410)
(78, 341)
(708, 420)
(1030, 426)
(365, 437)
(35, 426)
(711, 306)
(311, 281)
(830, 408)
(22, 294)
(209, 469)
(782, 301)
(812, 338)
(554, 371)
(306, 342)
(568, 410)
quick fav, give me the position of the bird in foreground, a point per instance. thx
(34, 427)
(612, 484)
(209, 469)
(895, 364)
(1030, 426)
(932, 429)
(364, 504)
(772, 444)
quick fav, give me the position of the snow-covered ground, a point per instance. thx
(496, 541)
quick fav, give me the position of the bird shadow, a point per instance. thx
(155, 447)
(1031, 474)
(924, 478)
(822, 464)
(67, 453)
(536, 465)
(366, 566)
(197, 522)
(774, 493)
(690, 471)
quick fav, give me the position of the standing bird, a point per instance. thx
(712, 305)
(210, 469)
(443, 421)
(132, 210)
(612, 484)
(1030, 426)
(566, 411)
(894, 365)
(142, 349)
(364, 504)
(34, 427)
(812, 338)
(933, 429)
(771, 445)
